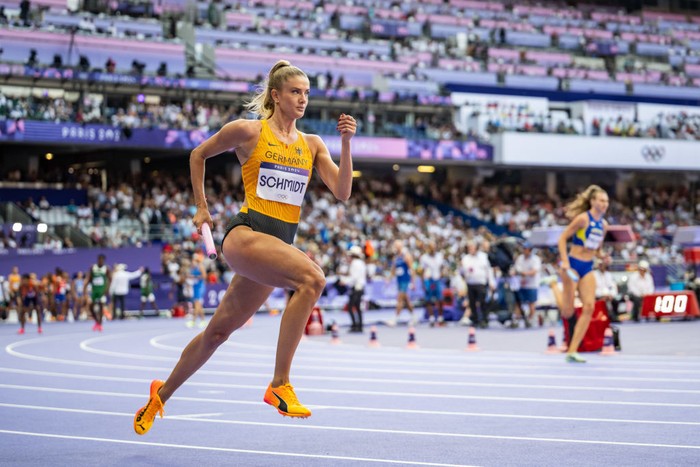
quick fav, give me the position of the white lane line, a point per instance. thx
(306, 426)
(190, 416)
(464, 364)
(11, 349)
(387, 410)
(454, 353)
(421, 382)
(463, 361)
(626, 390)
(371, 393)
(217, 449)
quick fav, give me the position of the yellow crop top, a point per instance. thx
(276, 176)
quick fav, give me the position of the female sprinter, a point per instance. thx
(588, 229)
(277, 161)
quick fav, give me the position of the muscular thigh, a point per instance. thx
(267, 260)
(586, 291)
(242, 299)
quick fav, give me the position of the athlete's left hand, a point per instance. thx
(347, 126)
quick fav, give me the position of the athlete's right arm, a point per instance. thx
(232, 136)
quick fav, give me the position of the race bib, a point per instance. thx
(98, 281)
(594, 240)
(282, 183)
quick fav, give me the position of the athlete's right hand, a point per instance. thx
(200, 217)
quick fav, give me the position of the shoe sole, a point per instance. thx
(283, 413)
(150, 396)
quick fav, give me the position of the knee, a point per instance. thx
(567, 312)
(314, 281)
(587, 309)
(213, 337)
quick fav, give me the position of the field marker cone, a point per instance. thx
(471, 341)
(315, 328)
(564, 347)
(552, 343)
(608, 346)
(411, 338)
(373, 341)
(334, 334)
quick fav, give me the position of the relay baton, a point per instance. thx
(208, 241)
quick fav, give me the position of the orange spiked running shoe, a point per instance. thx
(285, 401)
(146, 415)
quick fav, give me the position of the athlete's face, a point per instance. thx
(600, 202)
(294, 96)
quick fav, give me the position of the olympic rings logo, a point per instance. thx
(653, 153)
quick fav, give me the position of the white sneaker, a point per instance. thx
(202, 324)
(413, 321)
(189, 324)
(391, 322)
(465, 322)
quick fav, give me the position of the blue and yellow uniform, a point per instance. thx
(275, 178)
(198, 285)
(590, 237)
(402, 271)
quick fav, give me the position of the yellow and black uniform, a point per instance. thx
(275, 178)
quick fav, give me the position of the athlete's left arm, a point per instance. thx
(599, 252)
(337, 179)
(109, 278)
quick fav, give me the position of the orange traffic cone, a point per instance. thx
(471, 342)
(608, 346)
(315, 327)
(412, 338)
(334, 334)
(552, 343)
(373, 342)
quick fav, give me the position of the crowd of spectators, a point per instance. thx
(210, 117)
(424, 49)
(187, 115)
(160, 208)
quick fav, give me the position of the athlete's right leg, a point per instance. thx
(268, 260)
(586, 288)
(242, 298)
(22, 311)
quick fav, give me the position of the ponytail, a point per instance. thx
(262, 103)
(582, 202)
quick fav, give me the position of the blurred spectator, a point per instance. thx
(528, 266)
(639, 284)
(606, 288)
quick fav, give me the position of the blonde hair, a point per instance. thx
(582, 202)
(263, 104)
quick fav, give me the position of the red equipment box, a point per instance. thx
(593, 339)
(692, 255)
(674, 304)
